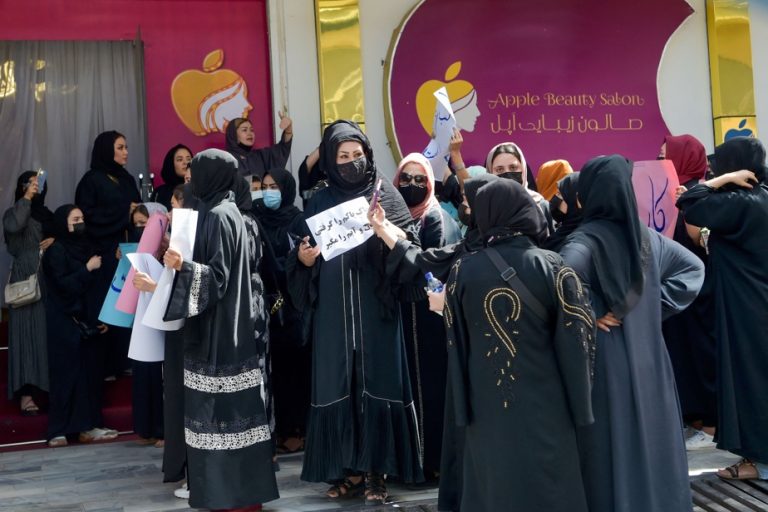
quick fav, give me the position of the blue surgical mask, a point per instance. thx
(272, 199)
(256, 194)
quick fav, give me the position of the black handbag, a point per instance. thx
(87, 331)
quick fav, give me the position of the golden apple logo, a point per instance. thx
(461, 93)
(207, 100)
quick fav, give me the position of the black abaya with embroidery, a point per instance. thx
(520, 383)
(229, 448)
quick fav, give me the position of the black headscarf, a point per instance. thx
(168, 173)
(213, 173)
(504, 208)
(278, 222)
(77, 246)
(40, 212)
(473, 241)
(372, 253)
(612, 231)
(103, 153)
(568, 190)
(242, 190)
(740, 153)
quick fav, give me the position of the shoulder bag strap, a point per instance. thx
(509, 274)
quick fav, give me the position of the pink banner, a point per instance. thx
(205, 61)
(562, 79)
(655, 182)
(149, 243)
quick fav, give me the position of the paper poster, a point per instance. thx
(655, 182)
(341, 228)
(147, 344)
(183, 232)
(149, 243)
(109, 314)
(437, 151)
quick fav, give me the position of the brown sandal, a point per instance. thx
(734, 472)
(345, 489)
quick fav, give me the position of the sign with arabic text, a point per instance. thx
(562, 79)
(341, 228)
(655, 183)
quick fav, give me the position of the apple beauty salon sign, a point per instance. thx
(562, 79)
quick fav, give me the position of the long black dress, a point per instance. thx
(425, 342)
(75, 368)
(291, 357)
(738, 245)
(105, 194)
(229, 449)
(633, 457)
(520, 383)
(362, 416)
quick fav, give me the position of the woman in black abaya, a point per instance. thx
(734, 207)
(291, 357)
(252, 161)
(229, 447)
(362, 418)
(633, 456)
(565, 211)
(520, 375)
(175, 166)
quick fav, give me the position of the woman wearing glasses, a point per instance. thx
(424, 332)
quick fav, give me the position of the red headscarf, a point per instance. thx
(418, 211)
(688, 156)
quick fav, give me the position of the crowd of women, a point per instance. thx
(555, 369)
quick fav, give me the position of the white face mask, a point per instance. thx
(257, 194)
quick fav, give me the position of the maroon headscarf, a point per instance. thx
(688, 155)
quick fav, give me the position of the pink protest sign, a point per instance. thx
(655, 182)
(149, 243)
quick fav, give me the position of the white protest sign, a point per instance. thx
(147, 344)
(183, 233)
(341, 228)
(437, 151)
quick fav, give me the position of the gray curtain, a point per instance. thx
(55, 98)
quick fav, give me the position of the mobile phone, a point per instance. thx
(297, 240)
(41, 175)
(376, 195)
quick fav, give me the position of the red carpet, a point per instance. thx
(15, 428)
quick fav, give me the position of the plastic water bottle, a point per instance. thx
(433, 283)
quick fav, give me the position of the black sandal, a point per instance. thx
(345, 489)
(375, 490)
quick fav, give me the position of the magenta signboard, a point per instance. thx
(560, 78)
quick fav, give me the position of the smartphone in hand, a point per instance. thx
(41, 175)
(376, 195)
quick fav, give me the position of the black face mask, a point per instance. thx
(465, 214)
(554, 209)
(511, 175)
(137, 232)
(413, 195)
(78, 229)
(353, 172)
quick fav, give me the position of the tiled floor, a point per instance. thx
(126, 477)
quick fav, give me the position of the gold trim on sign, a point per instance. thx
(389, 122)
(730, 67)
(339, 61)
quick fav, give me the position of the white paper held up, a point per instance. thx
(341, 228)
(147, 344)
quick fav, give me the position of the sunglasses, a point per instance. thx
(418, 179)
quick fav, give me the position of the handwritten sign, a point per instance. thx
(341, 228)
(655, 182)
(183, 233)
(147, 344)
(437, 151)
